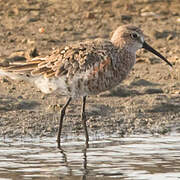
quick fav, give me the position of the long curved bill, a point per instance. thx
(149, 48)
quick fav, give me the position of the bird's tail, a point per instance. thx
(18, 69)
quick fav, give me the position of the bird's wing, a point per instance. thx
(69, 60)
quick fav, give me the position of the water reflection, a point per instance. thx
(136, 157)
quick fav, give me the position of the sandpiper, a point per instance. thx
(83, 68)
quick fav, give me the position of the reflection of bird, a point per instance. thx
(84, 68)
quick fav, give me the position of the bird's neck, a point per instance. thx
(127, 54)
(127, 58)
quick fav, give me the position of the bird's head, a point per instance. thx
(131, 38)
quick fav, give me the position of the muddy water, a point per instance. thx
(135, 157)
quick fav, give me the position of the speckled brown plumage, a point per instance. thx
(89, 67)
(84, 68)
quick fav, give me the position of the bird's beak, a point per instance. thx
(149, 48)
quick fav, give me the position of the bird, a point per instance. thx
(84, 68)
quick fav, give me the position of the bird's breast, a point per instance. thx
(102, 76)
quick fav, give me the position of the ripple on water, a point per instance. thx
(135, 157)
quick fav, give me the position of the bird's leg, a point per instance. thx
(83, 118)
(63, 110)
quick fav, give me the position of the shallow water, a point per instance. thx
(132, 158)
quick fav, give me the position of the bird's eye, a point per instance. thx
(134, 35)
